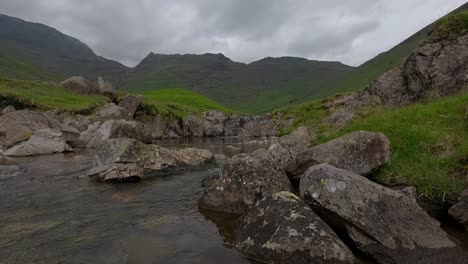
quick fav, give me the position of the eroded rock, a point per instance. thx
(282, 229)
(386, 224)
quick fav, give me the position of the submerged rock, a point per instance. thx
(282, 229)
(43, 141)
(359, 152)
(243, 181)
(383, 223)
(125, 159)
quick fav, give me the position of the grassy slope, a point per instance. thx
(429, 145)
(179, 102)
(45, 96)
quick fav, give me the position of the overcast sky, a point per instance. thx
(350, 31)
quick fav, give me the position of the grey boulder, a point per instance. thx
(281, 228)
(43, 141)
(387, 225)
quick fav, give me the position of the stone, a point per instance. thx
(99, 132)
(259, 127)
(385, 224)
(276, 154)
(298, 141)
(209, 180)
(243, 181)
(281, 228)
(80, 85)
(459, 211)
(111, 111)
(151, 128)
(215, 117)
(43, 141)
(105, 88)
(193, 126)
(8, 109)
(360, 152)
(131, 104)
(124, 160)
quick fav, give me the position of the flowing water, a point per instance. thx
(51, 212)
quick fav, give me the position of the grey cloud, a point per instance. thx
(351, 31)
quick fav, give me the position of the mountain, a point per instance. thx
(35, 51)
(370, 70)
(256, 87)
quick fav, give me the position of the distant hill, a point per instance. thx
(385, 61)
(256, 87)
(37, 52)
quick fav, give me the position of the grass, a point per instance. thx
(429, 145)
(46, 96)
(179, 103)
(450, 27)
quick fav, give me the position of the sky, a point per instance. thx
(350, 31)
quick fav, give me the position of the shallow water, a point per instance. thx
(52, 213)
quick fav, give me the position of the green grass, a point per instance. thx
(46, 96)
(179, 102)
(309, 114)
(450, 27)
(429, 145)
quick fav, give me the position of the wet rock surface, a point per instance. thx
(242, 182)
(281, 228)
(386, 224)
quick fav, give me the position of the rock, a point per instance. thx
(215, 117)
(383, 223)
(131, 104)
(99, 132)
(43, 141)
(19, 126)
(105, 88)
(260, 127)
(282, 229)
(460, 210)
(111, 111)
(8, 109)
(124, 159)
(359, 152)
(220, 159)
(298, 141)
(194, 126)
(276, 154)
(209, 180)
(244, 180)
(233, 125)
(151, 128)
(80, 85)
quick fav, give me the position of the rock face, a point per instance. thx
(359, 152)
(43, 141)
(298, 141)
(460, 210)
(386, 224)
(131, 104)
(259, 127)
(243, 181)
(282, 229)
(123, 159)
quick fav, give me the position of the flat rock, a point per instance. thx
(282, 229)
(385, 224)
(243, 181)
(360, 152)
(43, 141)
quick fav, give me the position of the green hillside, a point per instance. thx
(372, 69)
(260, 86)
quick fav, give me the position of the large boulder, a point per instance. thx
(43, 141)
(131, 103)
(276, 154)
(99, 132)
(193, 126)
(282, 229)
(111, 111)
(298, 141)
(80, 85)
(105, 88)
(124, 159)
(259, 127)
(388, 225)
(243, 181)
(360, 152)
(460, 210)
(19, 126)
(151, 128)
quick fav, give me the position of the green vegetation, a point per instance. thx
(309, 114)
(429, 145)
(45, 96)
(450, 27)
(179, 103)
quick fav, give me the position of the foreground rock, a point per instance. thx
(282, 229)
(359, 152)
(460, 210)
(386, 224)
(276, 154)
(123, 159)
(8, 109)
(243, 181)
(43, 141)
(19, 126)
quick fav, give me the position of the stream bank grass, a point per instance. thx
(429, 145)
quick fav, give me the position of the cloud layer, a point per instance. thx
(350, 31)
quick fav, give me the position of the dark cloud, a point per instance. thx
(351, 31)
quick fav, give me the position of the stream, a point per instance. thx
(51, 212)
